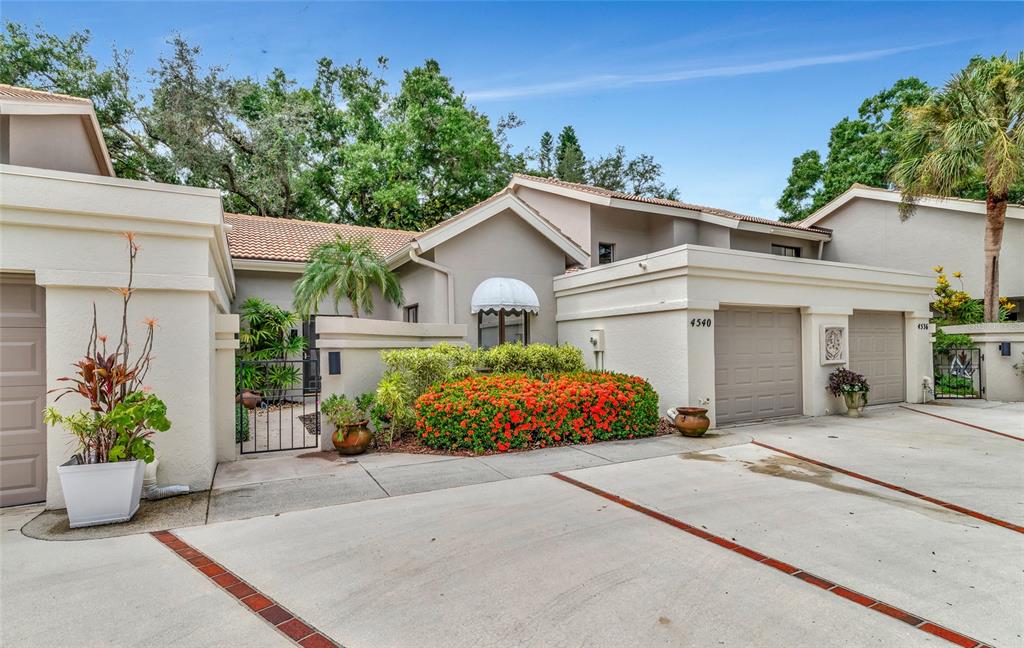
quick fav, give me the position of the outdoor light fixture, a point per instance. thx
(334, 362)
(1004, 348)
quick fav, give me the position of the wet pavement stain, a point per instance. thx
(808, 473)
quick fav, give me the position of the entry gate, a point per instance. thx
(958, 373)
(284, 412)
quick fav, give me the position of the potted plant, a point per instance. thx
(690, 421)
(852, 386)
(102, 482)
(351, 434)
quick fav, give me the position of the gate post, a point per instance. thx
(918, 333)
(225, 346)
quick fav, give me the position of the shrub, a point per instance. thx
(533, 359)
(502, 412)
(946, 341)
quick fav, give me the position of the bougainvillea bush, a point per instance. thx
(511, 411)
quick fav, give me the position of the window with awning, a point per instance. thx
(503, 306)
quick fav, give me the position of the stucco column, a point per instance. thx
(225, 344)
(917, 342)
(815, 368)
(698, 365)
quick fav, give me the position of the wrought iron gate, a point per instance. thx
(283, 411)
(958, 373)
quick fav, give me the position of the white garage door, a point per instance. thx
(876, 351)
(22, 391)
(757, 363)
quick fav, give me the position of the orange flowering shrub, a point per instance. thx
(506, 411)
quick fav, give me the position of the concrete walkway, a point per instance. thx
(737, 544)
(277, 484)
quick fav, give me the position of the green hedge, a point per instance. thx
(504, 412)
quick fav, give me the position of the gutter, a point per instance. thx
(446, 271)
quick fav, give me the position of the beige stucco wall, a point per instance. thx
(275, 286)
(757, 242)
(50, 142)
(66, 229)
(567, 214)
(871, 232)
(502, 246)
(645, 306)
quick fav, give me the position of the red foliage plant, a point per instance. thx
(512, 411)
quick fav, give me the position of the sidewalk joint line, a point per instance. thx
(964, 423)
(367, 471)
(258, 603)
(868, 602)
(899, 489)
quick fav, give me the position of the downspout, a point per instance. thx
(821, 248)
(447, 272)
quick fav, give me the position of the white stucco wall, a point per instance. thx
(65, 228)
(645, 306)
(567, 214)
(1002, 382)
(870, 232)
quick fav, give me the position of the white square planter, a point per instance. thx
(101, 493)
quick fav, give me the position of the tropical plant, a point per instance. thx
(843, 381)
(967, 133)
(954, 306)
(122, 416)
(342, 411)
(268, 339)
(348, 269)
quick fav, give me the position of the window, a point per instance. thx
(411, 313)
(605, 252)
(785, 250)
(498, 327)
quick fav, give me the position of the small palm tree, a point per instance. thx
(345, 269)
(968, 133)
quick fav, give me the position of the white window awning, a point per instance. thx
(504, 293)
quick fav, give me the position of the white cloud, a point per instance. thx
(608, 81)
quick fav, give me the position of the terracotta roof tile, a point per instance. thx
(26, 94)
(289, 239)
(609, 193)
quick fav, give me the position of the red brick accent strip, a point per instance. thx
(899, 489)
(298, 631)
(970, 425)
(848, 594)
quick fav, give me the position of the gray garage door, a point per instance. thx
(757, 363)
(876, 350)
(22, 391)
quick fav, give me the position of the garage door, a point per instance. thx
(757, 363)
(876, 350)
(22, 391)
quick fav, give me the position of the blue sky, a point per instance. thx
(724, 95)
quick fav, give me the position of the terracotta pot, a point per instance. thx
(352, 439)
(855, 402)
(692, 421)
(249, 399)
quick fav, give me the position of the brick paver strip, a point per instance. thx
(899, 489)
(295, 629)
(970, 425)
(870, 603)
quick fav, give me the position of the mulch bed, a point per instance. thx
(412, 444)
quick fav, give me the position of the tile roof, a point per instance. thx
(26, 94)
(609, 193)
(289, 239)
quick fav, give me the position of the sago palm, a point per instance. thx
(346, 269)
(968, 133)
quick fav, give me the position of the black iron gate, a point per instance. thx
(281, 410)
(958, 373)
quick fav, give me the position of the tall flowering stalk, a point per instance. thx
(122, 416)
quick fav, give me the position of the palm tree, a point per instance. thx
(345, 269)
(967, 133)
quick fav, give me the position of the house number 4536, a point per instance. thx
(700, 322)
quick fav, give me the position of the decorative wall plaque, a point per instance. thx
(833, 345)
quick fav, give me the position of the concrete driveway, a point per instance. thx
(899, 529)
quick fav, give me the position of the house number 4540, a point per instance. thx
(700, 322)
